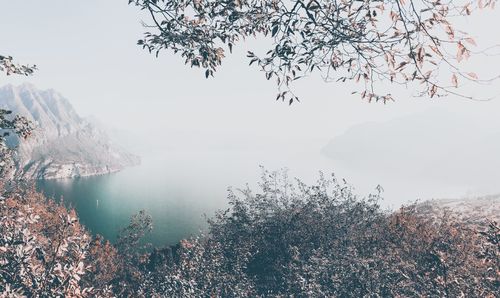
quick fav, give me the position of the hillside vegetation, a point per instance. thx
(285, 239)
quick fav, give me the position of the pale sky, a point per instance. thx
(87, 51)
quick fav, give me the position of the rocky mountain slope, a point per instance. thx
(64, 145)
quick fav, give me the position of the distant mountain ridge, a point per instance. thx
(431, 147)
(64, 145)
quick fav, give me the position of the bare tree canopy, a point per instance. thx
(367, 41)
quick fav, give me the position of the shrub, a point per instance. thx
(288, 239)
(291, 239)
(45, 251)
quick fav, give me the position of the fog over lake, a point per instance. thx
(177, 188)
(197, 137)
(181, 184)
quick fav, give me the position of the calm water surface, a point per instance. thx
(180, 189)
(177, 199)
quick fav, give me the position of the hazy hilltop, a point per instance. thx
(435, 146)
(64, 144)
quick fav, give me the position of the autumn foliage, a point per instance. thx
(45, 251)
(288, 239)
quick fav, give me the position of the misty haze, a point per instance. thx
(249, 149)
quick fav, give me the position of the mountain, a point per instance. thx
(436, 147)
(64, 145)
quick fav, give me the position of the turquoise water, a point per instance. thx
(180, 189)
(178, 201)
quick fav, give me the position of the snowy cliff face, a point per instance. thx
(64, 145)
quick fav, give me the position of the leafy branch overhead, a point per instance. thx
(9, 123)
(18, 125)
(368, 41)
(9, 67)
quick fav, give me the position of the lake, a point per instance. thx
(179, 189)
(177, 201)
